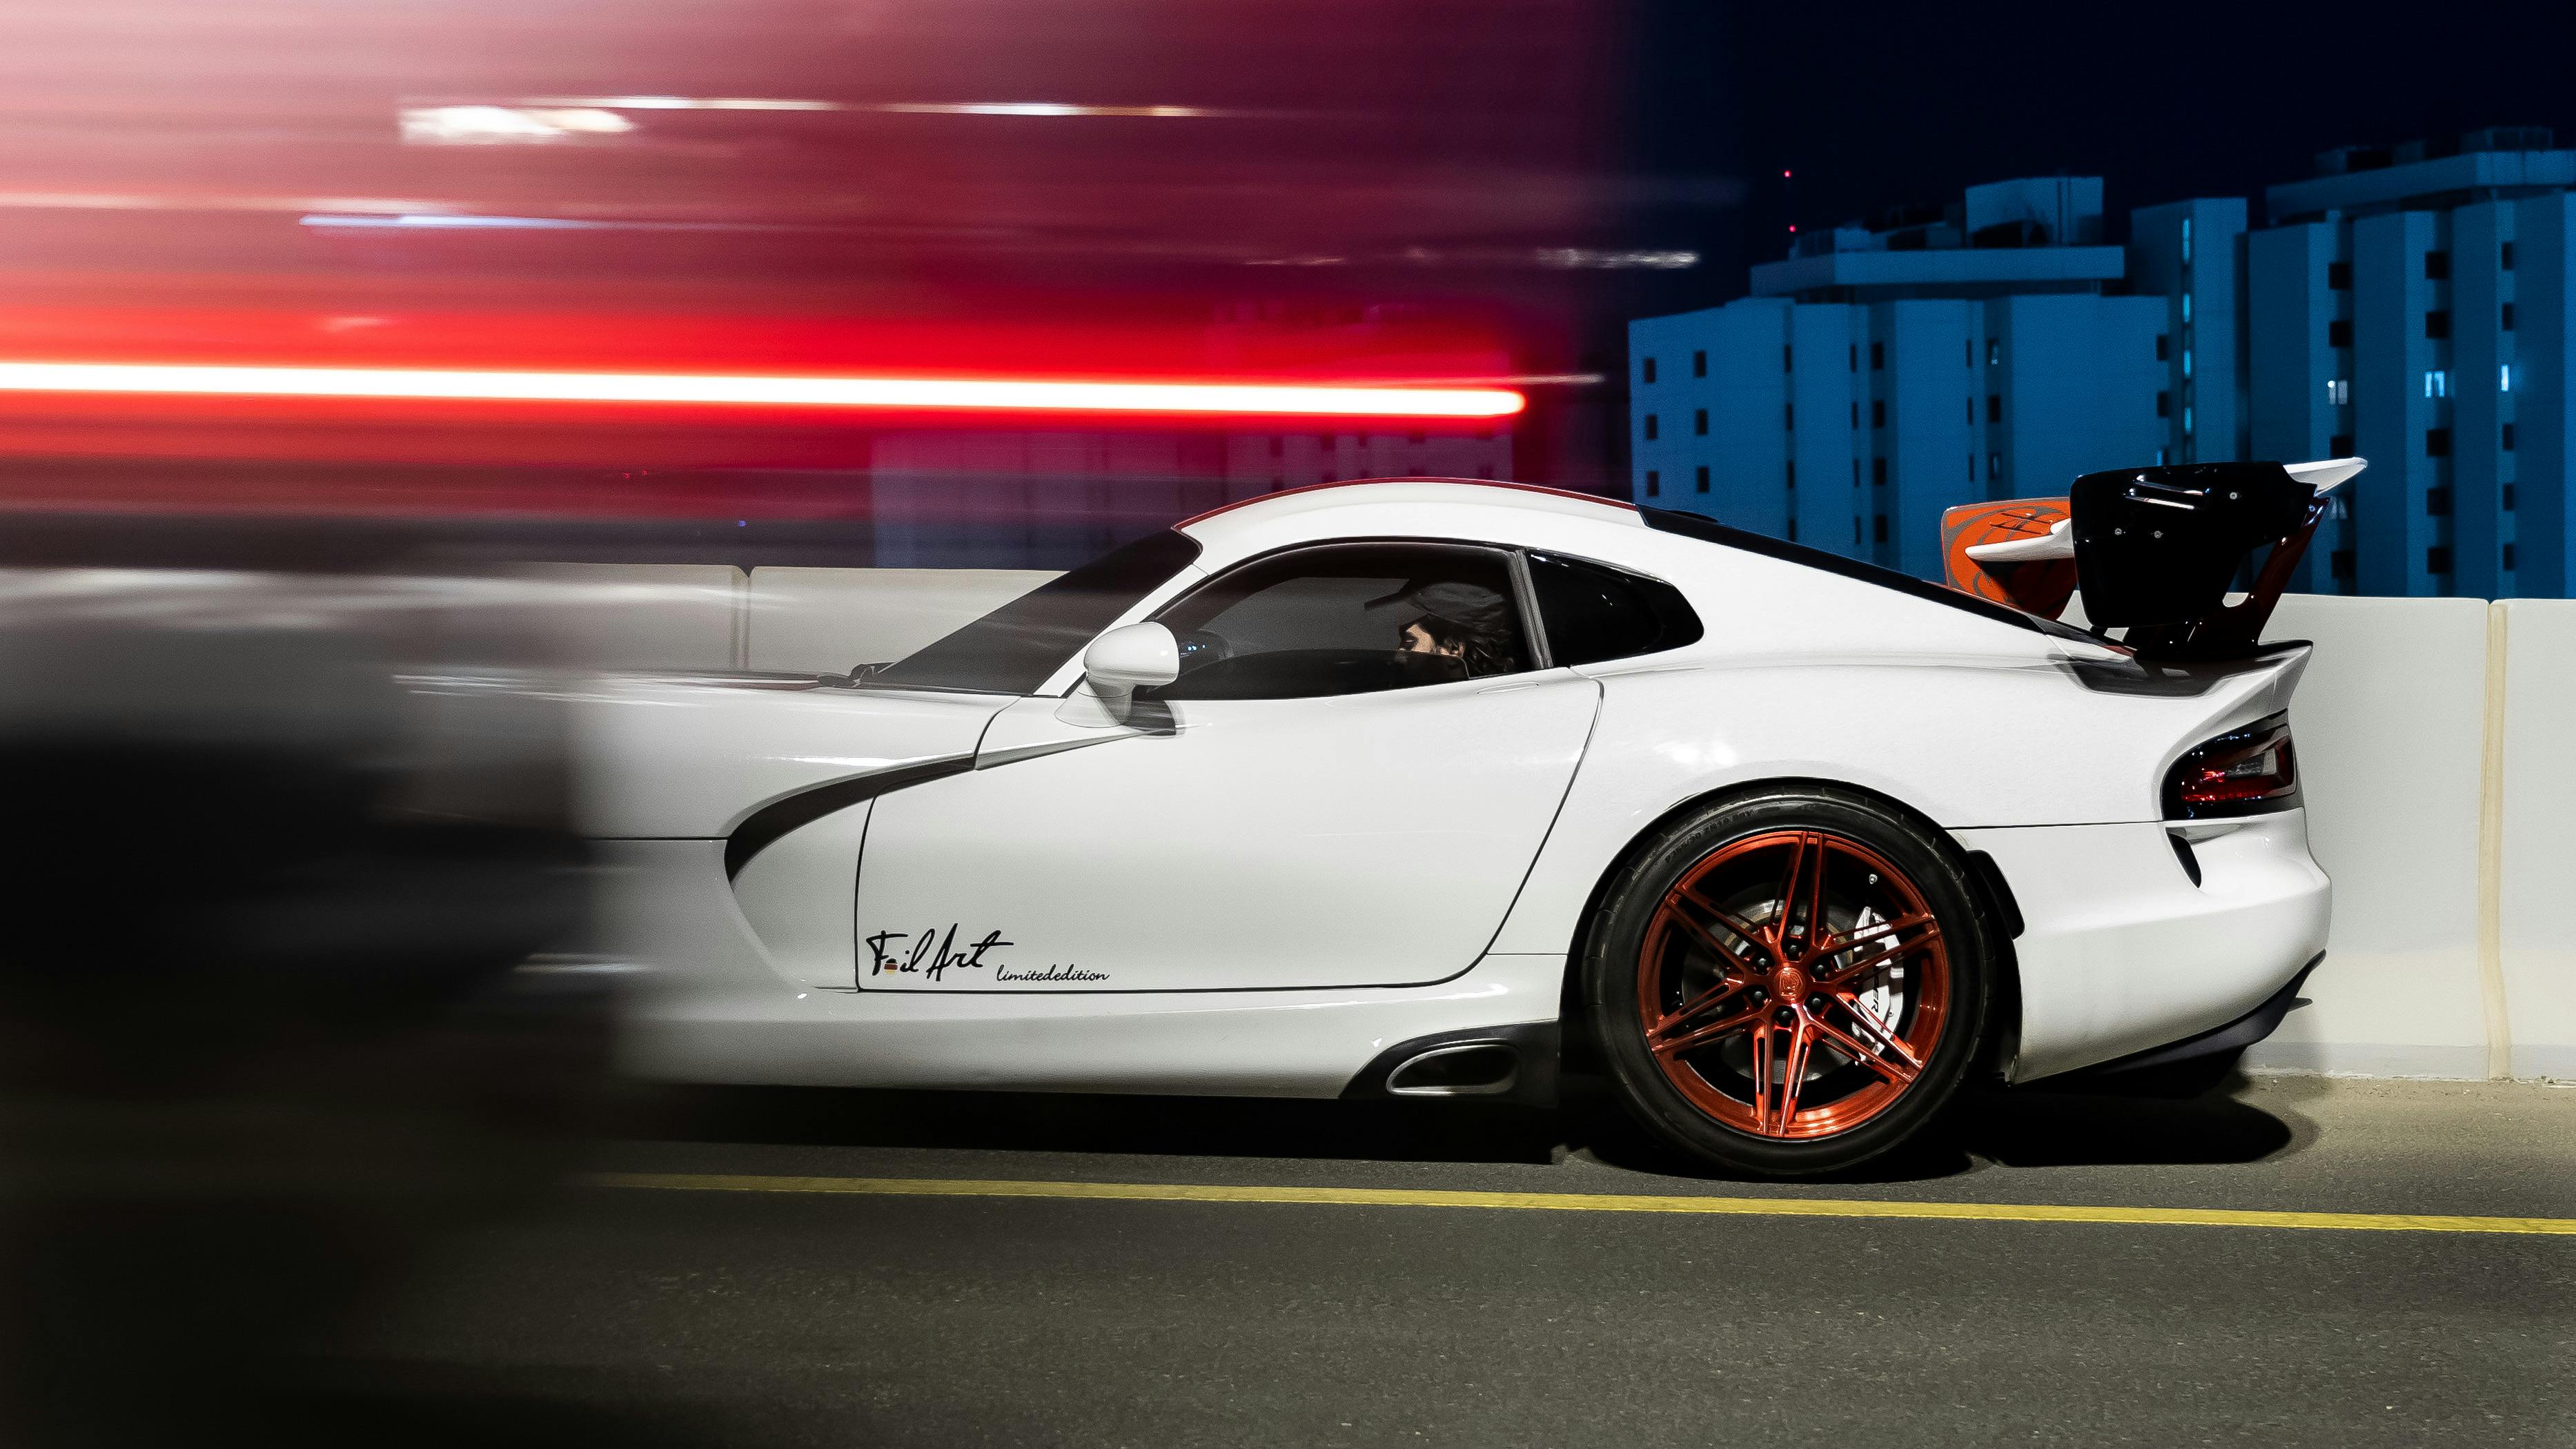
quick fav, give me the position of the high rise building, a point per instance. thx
(2412, 305)
(1881, 375)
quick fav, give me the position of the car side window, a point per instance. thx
(1352, 618)
(1593, 612)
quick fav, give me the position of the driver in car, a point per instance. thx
(1457, 621)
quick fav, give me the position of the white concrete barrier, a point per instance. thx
(825, 620)
(648, 616)
(2536, 842)
(2390, 725)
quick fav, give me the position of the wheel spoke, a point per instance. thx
(1751, 935)
(1702, 1035)
(1801, 1042)
(1696, 1008)
(1802, 894)
(1876, 930)
(1906, 1066)
(1902, 936)
(1762, 1077)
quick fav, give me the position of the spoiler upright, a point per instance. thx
(2153, 550)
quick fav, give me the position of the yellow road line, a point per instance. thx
(1584, 1202)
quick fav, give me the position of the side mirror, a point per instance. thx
(1116, 665)
(1128, 659)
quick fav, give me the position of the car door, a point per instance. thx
(1309, 805)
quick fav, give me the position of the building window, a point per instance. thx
(2339, 333)
(1855, 366)
(2504, 378)
(1793, 472)
(1878, 529)
(2437, 442)
(1878, 412)
(1699, 364)
(1855, 414)
(2163, 346)
(1789, 416)
(1699, 422)
(2164, 404)
(1699, 481)
(2437, 383)
(1793, 530)
(2508, 447)
(1855, 528)
(1994, 467)
(2340, 445)
(1855, 472)
(2339, 391)
(2437, 502)
(2437, 560)
(1651, 428)
(1647, 372)
(1788, 358)
(2508, 498)
(2505, 258)
(2186, 362)
(2186, 420)
(1654, 483)
(1994, 407)
(2160, 457)
(1877, 471)
(2437, 325)
(1878, 357)
(2504, 317)
(1972, 467)
(1968, 352)
(1994, 351)
(2437, 266)
(2508, 548)
(2186, 309)
(2339, 276)
(2339, 563)
(1972, 412)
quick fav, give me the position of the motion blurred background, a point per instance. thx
(1371, 193)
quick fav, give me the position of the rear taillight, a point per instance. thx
(2246, 771)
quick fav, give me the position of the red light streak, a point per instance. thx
(737, 390)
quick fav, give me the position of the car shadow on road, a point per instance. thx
(2015, 1128)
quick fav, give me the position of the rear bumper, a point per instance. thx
(2234, 1037)
(2122, 953)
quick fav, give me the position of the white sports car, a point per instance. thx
(1411, 786)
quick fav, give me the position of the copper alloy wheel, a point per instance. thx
(1792, 984)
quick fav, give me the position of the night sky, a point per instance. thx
(1874, 104)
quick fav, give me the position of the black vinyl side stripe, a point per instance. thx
(780, 816)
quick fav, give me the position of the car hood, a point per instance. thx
(692, 757)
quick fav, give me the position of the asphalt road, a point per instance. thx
(677, 1315)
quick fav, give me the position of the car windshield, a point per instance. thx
(1013, 649)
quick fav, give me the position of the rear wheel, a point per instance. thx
(1790, 983)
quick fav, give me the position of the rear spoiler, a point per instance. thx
(2153, 550)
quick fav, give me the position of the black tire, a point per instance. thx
(1682, 1096)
